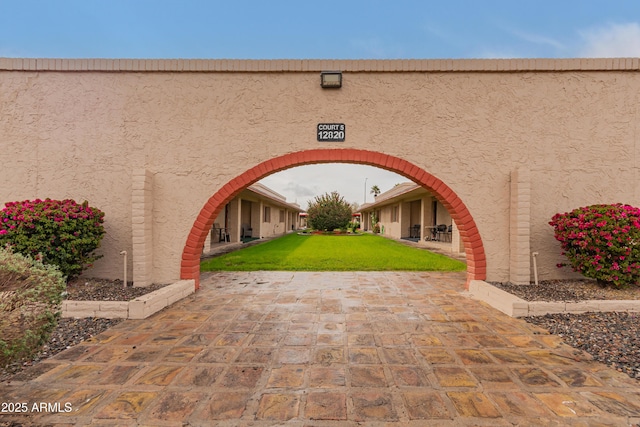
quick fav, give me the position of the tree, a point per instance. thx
(375, 190)
(329, 212)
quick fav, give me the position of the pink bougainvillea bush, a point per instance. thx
(602, 242)
(59, 232)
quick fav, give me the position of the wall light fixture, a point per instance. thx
(331, 79)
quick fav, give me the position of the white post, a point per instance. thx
(535, 268)
(125, 268)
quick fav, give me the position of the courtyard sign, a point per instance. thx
(333, 132)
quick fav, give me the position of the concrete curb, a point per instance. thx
(139, 308)
(517, 307)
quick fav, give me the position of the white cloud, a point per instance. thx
(301, 184)
(613, 40)
(539, 39)
(298, 190)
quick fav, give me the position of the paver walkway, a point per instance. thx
(326, 349)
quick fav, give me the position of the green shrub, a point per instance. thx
(375, 222)
(62, 233)
(329, 212)
(601, 242)
(30, 298)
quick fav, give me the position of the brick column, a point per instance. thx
(520, 227)
(141, 220)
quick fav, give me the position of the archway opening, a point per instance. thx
(469, 234)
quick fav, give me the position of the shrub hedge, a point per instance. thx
(59, 232)
(601, 242)
(30, 298)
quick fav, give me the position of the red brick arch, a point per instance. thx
(476, 260)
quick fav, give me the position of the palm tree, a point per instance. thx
(375, 190)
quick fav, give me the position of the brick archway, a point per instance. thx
(476, 260)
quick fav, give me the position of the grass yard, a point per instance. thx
(366, 252)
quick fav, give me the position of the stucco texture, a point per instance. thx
(79, 134)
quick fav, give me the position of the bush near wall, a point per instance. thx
(59, 232)
(30, 299)
(602, 242)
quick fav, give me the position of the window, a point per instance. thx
(394, 214)
(267, 214)
(281, 215)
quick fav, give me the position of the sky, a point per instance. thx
(330, 29)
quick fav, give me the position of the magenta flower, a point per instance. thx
(599, 240)
(29, 223)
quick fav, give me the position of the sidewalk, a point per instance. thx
(325, 349)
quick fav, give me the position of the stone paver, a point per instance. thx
(324, 349)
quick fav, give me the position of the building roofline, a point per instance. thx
(316, 65)
(263, 189)
(391, 195)
(397, 190)
(267, 193)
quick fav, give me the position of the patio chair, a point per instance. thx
(441, 231)
(222, 233)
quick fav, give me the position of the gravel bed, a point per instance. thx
(67, 333)
(70, 332)
(611, 338)
(106, 290)
(568, 291)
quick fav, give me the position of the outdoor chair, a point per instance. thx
(222, 233)
(441, 231)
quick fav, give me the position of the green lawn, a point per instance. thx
(366, 252)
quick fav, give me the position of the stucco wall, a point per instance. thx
(65, 136)
(390, 227)
(273, 227)
(79, 134)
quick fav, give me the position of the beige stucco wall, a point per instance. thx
(274, 227)
(80, 134)
(389, 227)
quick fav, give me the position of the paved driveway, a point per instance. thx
(326, 349)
